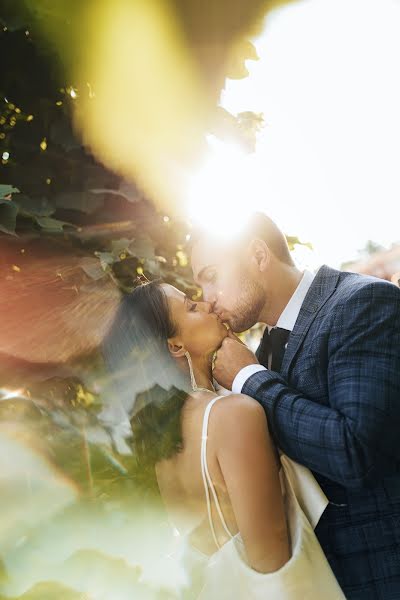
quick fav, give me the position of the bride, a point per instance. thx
(245, 512)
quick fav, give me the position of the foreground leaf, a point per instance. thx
(7, 190)
(8, 216)
(50, 224)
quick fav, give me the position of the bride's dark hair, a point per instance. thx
(144, 376)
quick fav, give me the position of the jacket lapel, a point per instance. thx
(321, 289)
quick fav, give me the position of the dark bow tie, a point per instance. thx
(273, 342)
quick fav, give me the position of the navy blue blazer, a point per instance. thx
(335, 408)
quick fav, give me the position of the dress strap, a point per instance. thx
(208, 485)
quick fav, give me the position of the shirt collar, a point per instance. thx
(291, 311)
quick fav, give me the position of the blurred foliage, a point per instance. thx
(364, 253)
(113, 515)
(216, 34)
(69, 227)
(96, 227)
(53, 185)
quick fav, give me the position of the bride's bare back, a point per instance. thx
(244, 470)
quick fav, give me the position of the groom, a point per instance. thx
(327, 373)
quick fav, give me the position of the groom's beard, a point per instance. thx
(249, 305)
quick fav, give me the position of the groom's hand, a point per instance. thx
(231, 358)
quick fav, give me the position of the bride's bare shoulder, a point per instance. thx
(238, 406)
(239, 424)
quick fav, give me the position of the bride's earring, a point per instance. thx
(195, 387)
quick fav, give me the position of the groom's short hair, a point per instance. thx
(260, 227)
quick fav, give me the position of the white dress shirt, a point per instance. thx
(287, 321)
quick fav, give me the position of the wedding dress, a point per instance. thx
(226, 575)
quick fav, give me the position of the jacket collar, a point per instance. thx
(291, 311)
(321, 289)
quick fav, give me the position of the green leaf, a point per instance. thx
(7, 190)
(122, 245)
(130, 191)
(106, 259)
(34, 207)
(293, 241)
(236, 67)
(143, 248)
(8, 216)
(92, 268)
(51, 225)
(87, 202)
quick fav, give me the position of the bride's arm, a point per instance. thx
(248, 463)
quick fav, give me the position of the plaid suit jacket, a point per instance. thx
(335, 408)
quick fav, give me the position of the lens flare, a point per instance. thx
(225, 190)
(147, 110)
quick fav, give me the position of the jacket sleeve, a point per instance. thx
(353, 440)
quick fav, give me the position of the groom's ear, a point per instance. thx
(176, 348)
(260, 254)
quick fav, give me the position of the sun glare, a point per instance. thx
(326, 162)
(225, 190)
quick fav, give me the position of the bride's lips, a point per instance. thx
(223, 325)
(219, 320)
(222, 317)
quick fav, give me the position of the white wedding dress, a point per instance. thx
(226, 575)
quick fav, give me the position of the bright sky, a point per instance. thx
(329, 157)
